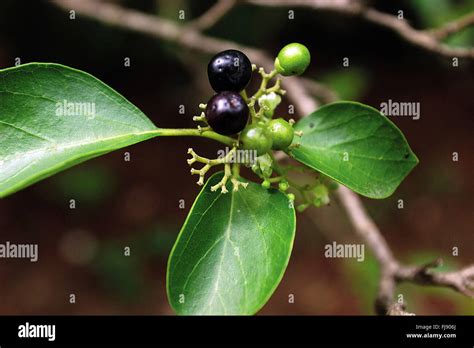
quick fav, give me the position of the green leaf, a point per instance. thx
(231, 252)
(53, 117)
(357, 146)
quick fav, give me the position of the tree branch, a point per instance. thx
(428, 40)
(461, 280)
(392, 272)
(453, 27)
(188, 36)
(213, 15)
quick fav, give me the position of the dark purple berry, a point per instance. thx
(227, 113)
(229, 70)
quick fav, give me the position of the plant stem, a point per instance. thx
(263, 85)
(174, 132)
(276, 179)
(250, 103)
(235, 170)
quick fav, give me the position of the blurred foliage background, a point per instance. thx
(136, 203)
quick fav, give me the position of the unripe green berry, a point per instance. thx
(293, 59)
(291, 196)
(266, 184)
(283, 185)
(256, 137)
(281, 132)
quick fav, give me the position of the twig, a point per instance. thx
(419, 38)
(366, 229)
(343, 6)
(213, 15)
(461, 280)
(453, 27)
(426, 39)
(392, 272)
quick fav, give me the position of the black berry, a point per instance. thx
(229, 70)
(227, 113)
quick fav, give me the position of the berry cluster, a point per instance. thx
(231, 112)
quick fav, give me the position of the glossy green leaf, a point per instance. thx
(231, 252)
(357, 146)
(53, 117)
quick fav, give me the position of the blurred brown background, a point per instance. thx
(136, 203)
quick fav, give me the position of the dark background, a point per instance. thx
(136, 203)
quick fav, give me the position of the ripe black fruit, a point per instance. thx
(229, 70)
(227, 113)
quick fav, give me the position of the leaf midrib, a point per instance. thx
(219, 270)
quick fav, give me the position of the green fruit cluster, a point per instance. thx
(275, 135)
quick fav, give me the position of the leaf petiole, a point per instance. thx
(193, 132)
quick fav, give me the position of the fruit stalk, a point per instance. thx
(193, 132)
